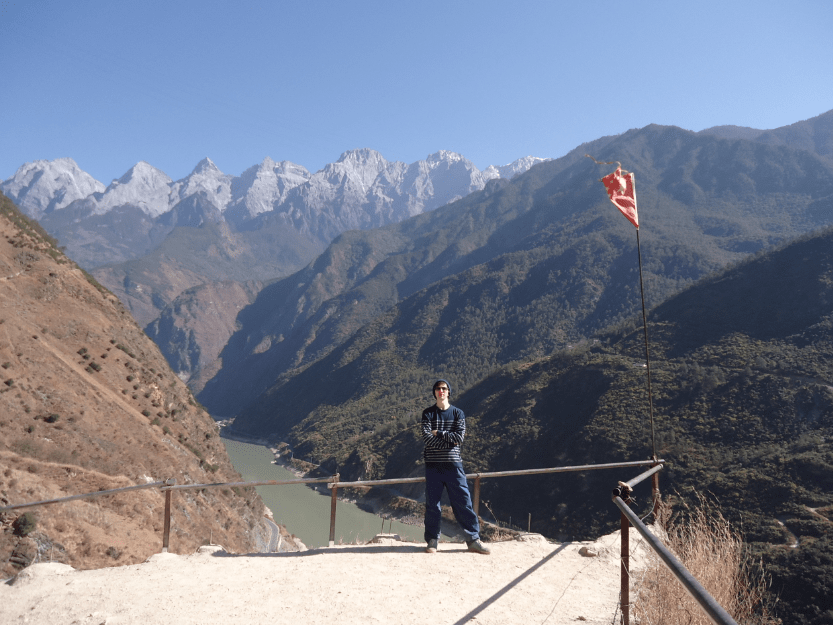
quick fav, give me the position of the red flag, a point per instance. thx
(621, 187)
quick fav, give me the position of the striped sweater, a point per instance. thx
(444, 448)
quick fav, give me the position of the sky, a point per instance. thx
(111, 83)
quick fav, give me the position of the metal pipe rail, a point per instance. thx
(713, 610)
(626, 487)
(320, 480)
(333, 482)
(334, 485)
(583, 467)
(98, 493)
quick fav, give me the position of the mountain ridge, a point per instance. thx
(155, 193)
(553, 226)
(277, 216)
(811, 134)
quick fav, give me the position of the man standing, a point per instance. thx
(443, 430)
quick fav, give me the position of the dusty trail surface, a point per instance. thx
(529, 580)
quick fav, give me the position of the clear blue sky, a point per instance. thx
(110, 83)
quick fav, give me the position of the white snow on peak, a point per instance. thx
(362, 189)
(204, 165)
(261, 187)
(43, 186)
(513, 169)
(441, 178)
(291, 173)
(445, 156)
(363, 166)
(490, 173)
(520, 166)
(362, 156)
(206, 179)
(143, 185)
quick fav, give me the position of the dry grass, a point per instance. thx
(702, 539)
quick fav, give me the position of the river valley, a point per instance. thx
(306, 512)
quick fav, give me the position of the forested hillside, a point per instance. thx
(516, 318)
(742, 378)
(516, 272)
(743, 402)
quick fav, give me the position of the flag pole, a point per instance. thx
(621, 189)
(647, 351)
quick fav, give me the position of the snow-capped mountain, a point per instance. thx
(149, 238)
(359, 176)
(142, 186)
(360, 190)
(206, 178)
(363, 190)
(152, 190)
(512, 169)
(262, 187)
(43, 186)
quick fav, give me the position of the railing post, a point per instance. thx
(333, 500)
(476, 503)
(625, 569)
(655, 495)
(166, 532)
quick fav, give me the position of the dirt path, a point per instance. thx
(530, 581)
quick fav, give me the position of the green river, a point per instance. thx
(304, 511)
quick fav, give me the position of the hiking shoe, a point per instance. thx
(477, 547)
(432, 546)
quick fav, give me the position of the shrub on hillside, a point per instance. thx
(25, 524)
(126, 350)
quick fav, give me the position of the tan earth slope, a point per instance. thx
(88, 403)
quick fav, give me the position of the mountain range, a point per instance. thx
(361, 190)
(525, 294)
(150, 239)
(514, 272)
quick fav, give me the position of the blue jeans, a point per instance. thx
(454, 480)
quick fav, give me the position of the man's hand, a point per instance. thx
(434, 432)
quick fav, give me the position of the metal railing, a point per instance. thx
(621, 498)
(335, 484)
(98, 493)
